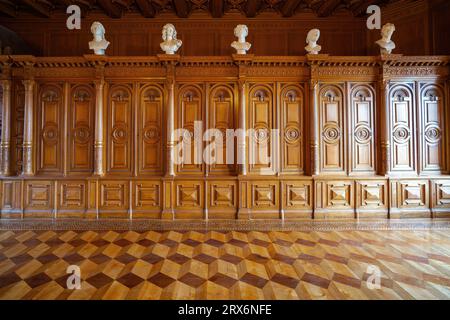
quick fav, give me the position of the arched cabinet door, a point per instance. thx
(119, 129)
(402, 128)
(189, 111)
(331, 129)
(362, 127)
(261, 117)
(18, 108)
(149, 124)
(81, 129)
(291, 131)
(431, 115)
(50, 120)
(221, 118)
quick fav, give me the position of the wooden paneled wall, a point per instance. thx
(89, 137)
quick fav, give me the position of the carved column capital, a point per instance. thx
(99, 84)
(28, 84)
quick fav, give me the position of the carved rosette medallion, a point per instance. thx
(261, 134)
(292, 134)
(363, 134)
(119, 133)
(151, 134)
(331, 134)
(50, 134)
(81, 134)
(401, 134)
(433, 134)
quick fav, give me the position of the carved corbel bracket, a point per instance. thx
(169, 61)
(5, 67)
(27, 63)
(242, 61)
(99, 63)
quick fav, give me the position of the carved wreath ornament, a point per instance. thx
(331, 134)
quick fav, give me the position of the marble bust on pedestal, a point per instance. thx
(99, 43)
(385, 43)
(241, 46)
(169, 35)
(311, 40)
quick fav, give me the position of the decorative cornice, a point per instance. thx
(322, 65)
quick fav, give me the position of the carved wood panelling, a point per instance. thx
(291, 130)
(362, 129)
(150, 126)
(81, 129)
(39, 197)
(334, 199)
(431, 115)
(262, 119)
(297, 199)
(113, 198)
(441, 197)
(189, 199)
(332, 128)
(402, 124)
(72, 199)
(371, 196)
(190, 110)
(147, 199)
(222, 200)
(18, 104)
(50, 121)
(72, 195)
(221, 112)
(410, 198)
(119, 129)
(11, 198)
(264, 196)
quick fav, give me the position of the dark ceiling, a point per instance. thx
(184, 8)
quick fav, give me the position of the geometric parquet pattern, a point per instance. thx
(414, 264)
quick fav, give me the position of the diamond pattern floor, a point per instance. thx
(414, 264)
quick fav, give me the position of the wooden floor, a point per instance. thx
(295, 264)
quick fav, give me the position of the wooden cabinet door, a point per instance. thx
(362, 127)
(81, 129)
(50, 120)
(431, 115)
(331, 129)
(291, 131)
(189, 110)
(262, 119)
(150, 126)
(119, 137)
(402, 128)
(221, 117)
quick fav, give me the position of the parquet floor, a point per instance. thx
(130, 264)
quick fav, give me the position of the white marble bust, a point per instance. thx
(311, 40)
(385, 43)
(99, 43)
(241, 46)
(169, 35)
